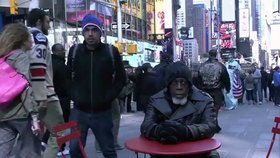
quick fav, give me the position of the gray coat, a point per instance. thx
(198, 115)
(249, 82)
(25, 104)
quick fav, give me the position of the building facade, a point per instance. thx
(190, 50)
(199, 27)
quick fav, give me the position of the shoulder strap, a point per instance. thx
(113, 59)
(7, 55)
(74, 52)
(73, 59)
(111, 54)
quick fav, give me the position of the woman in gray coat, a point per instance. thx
(16, 118)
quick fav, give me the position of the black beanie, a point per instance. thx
(177, 70)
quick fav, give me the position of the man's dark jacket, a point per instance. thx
(264, 78)
(96, 81)
(60, 79)
(213, 75)
(198, 115)
(147, 87)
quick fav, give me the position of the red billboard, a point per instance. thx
(244, 23)
(77, 9)
(228, 35)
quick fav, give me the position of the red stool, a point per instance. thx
(74, 135)
(275, 130)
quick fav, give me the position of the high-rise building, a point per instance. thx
(206, 2)
(184, 14)
(199, 27)
(189, 13)
(265, 32)
(190, 49)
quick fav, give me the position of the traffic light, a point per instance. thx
(120, 46)
(13, 7)
(131, 49)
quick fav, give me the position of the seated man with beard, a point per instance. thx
(181, 112)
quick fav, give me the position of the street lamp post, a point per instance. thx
(175, 7)
(119, 21)
(174, 32)
(218, 21)
(54, 23)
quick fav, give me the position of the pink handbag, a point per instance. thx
(12, 83)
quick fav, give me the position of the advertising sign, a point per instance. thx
(244, 27)
(228, 35)
(104, 13)
(133, 7)
(159, 17)
(207, 19)
(215, 26)
(136, 8)
(150, 18)
(227, 53)
(76, 10)
(139, 9)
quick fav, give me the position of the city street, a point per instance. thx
(246, 132)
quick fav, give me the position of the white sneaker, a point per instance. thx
(65, 152)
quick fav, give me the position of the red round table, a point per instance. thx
(143, 145)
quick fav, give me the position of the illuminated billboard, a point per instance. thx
(133, 7)
(215, 25)
(228, 35)
(159, 17)
(244, 23)
(150, 19)
(76, 10)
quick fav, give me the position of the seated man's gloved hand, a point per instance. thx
(169, 140)
(167, 135)
(156, 132)
(176, 129)
(164, 135)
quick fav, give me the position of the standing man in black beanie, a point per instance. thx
(98, 77)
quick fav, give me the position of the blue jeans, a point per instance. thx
(101, 125)
(258, 96)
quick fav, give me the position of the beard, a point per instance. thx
(45, 31)
(181, 101)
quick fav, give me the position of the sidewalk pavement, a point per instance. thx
(246, 132)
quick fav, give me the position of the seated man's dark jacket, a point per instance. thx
(93, 85)
(198, 115)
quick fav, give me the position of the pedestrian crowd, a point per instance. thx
(180, 104)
